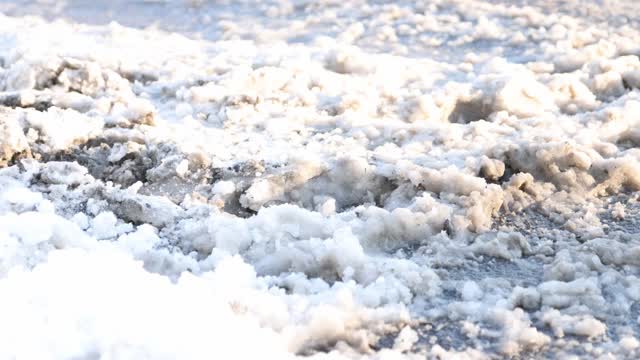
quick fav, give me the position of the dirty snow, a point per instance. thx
(450, 179)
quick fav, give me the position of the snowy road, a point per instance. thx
(447, 179)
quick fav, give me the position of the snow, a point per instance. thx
(452, 179)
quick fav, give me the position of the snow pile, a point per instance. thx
(447, 179)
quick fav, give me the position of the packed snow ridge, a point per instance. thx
(327, 180)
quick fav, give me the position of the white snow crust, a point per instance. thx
(281, 179)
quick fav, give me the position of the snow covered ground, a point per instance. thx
(336, 179)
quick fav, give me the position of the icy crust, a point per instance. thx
(315, 199)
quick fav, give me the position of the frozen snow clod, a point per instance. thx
(276, 187)
(83, 78)
(584, 325)
(348, 60)
(58, 129)
(26, 99)
(406, 338)
(157, 211)
(504, 245)
(67, 173)
(12, 139)
(224, 188)
(491, 169)
(140, 111)
(526, 298)
(517, 333)
(522, 96)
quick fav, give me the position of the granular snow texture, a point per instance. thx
(446, 179)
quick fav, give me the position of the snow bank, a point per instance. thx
(449, 179)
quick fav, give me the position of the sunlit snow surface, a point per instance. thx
(453, 179)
